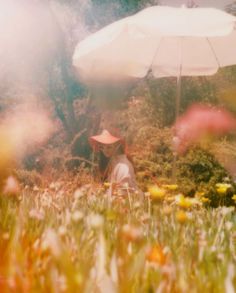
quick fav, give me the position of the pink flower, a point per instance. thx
(199, 121)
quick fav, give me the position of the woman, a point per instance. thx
(114, 165)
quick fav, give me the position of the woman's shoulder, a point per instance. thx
(122, 159)
(122, 164)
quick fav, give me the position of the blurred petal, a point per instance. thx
(199, 121)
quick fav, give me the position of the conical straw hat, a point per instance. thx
(104, 138)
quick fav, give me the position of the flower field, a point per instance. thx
(59, 239)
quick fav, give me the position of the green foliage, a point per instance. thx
(196, 171)
(163, 95)
(103, 12)
(199, 171)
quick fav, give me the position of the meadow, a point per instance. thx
(68, 239)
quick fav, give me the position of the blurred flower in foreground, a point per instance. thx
(37, 214)
(51, 242)
(77, 216)
(156, 193)
(199, 121)
(62, 231)
(11, 186)
(157, 255)
(131, 233)
(106, 184)
(78, 194)
(181, 217)
(95, 221)
(186, 202)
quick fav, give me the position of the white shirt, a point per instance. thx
(122, 173)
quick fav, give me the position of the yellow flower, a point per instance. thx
(234, 197)
(199, 193)
(106, 184)
(170, 186)
(156, 193)
(184, 202)
(222, 188)
(181, 217)
(205, 200)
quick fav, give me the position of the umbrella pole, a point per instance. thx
(175, 139)
(178, 93)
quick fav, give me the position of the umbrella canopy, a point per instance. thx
(168, 41)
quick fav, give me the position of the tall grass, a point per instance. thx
(55, 241)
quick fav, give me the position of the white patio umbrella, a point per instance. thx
(165, 40)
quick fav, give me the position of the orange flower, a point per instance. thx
(181, 217)
(157, 255)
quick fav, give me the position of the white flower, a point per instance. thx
(62, 283)
(37, 214)
(77, 216)
(35, 188)
(78, 193)
(55, 185)
(228, 225)
(46, 200)
(51, 242)
(226, 210)
(62, 231)
(213, 248)
(95, 221)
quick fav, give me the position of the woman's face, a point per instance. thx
(109, 149)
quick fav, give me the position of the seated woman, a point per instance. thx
(114, 166)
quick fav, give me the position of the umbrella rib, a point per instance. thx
(213, 51)
(155, 53)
